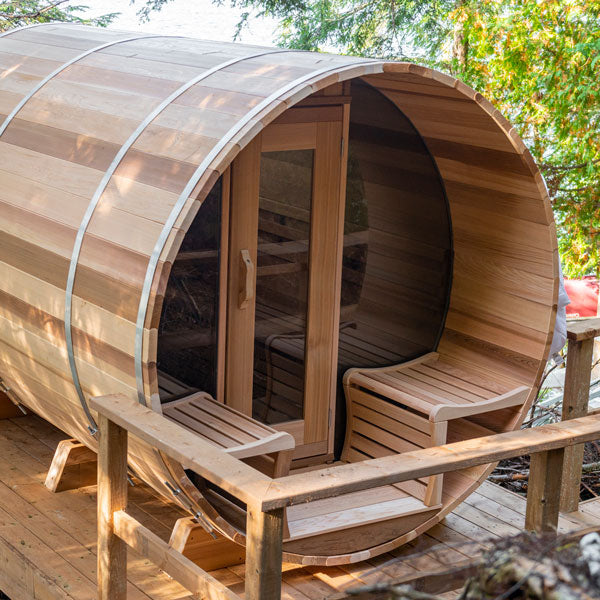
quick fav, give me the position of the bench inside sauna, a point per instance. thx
(305, 259)
(304, 321)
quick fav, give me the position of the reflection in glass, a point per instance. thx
(187, 337)
(397, 246)
(282, 284)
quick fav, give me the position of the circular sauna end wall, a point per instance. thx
(396, 198)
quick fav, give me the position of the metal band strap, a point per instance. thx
(3, 127)
(178, 207)
(60, 69)
(96, 199)
(11, 31)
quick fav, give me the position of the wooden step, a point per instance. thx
(352, 510)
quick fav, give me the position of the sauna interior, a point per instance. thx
(305, 259)
(377, 298)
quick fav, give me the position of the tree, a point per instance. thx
(17, 13)
(536, 60)
(539, 62)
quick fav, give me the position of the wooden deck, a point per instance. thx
(48, 541)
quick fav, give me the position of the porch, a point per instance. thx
(48, 540)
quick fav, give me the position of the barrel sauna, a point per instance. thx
(358, 254)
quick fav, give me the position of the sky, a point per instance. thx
(193, 18)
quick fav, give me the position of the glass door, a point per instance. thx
(284, 284)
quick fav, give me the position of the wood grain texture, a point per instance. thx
(112, 497)
(74, 465)
(580, 354)
(194, 542)
(263, 554)
(583, 329)
(54, 154)
(543, 492)
(172, 562)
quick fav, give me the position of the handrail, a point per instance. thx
(341, 479)
(583, 329)
(266, 497)
(266, 494)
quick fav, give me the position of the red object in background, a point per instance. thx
(584, 294)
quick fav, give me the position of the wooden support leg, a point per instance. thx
(283, 460)
(195, 543)
(433, 493)
(543, 493)
(112, 496)
(74, 465)
(264, 541)
(575, 404)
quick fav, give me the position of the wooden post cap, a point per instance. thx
(583, 329)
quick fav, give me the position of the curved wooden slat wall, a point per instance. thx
(56, 150)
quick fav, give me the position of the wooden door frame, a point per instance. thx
(324, 130)
(243, 226)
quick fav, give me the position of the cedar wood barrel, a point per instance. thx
(110, 142)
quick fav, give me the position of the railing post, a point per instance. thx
(575, 404)
(112, 496)
(543, 491)
(264, 541)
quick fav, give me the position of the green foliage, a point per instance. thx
(17, 13)
(411, 29)
(537, 60)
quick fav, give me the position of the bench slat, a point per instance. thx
(443, 376)
(429, 393)
(441, 387)
(395, 412)
(250, 425)
(236, 433)
(387, 423)
(208, 433)
(224, 423)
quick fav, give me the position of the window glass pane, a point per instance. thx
(187, 338)
(282, 284)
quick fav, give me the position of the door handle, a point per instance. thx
(246, 279)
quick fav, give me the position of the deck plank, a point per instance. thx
(48, 541)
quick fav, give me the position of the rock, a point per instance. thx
(590, 555)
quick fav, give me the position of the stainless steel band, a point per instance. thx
(96, 199)
(178, 207)
(11, 31)
(60, 69)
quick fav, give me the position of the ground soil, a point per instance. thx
(516, 470)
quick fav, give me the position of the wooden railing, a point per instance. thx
(581, 335)
(266, 498)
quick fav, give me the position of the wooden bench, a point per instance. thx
(407, 407)
(236, 433)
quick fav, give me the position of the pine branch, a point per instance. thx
(32, 15)
(555, 168)
(580, 189)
